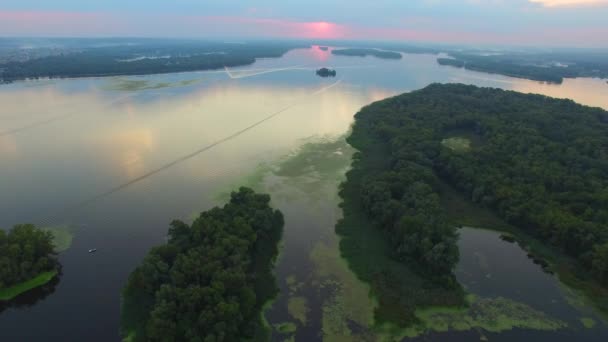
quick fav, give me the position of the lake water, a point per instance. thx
(116, 159)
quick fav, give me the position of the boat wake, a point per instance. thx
(183, 158)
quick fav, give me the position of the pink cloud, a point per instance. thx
(157, 25)
(56, 23)
(285, 28)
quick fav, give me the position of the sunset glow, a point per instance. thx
(474, 21)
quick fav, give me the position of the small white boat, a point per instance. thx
(92, 250)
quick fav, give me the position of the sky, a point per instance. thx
(497, 22)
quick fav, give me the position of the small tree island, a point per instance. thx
(27, 260)
(367, 52)
(324, 72)
(211, 279)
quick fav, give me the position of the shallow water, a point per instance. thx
(117, 159)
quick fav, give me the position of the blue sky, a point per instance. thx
(525, 22)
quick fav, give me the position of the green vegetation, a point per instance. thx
(27, 260)
(394, 233)
(540, 165)
(587, 322)
(350, 302)
(120, 84)
(62, 237)
(536, 73)
(457, 144)
(534, 66)
(211, 280)
(367, 52)
(286, 328)
(491, 314)
(145, 57)
(9, 293)
(452, 62)
(298, 309)
(461, 212)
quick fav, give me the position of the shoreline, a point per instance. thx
(10, 293)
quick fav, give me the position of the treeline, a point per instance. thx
(452, 62)
(401, 201)
(367, 52)
(25, 252)
(211, 279)
(532, 72)
(534, 66)
(145, 59)
(540, 163)
(400, 196)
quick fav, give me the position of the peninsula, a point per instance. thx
(532, 160)
(211, 279)
(27, 260)
(367, 52)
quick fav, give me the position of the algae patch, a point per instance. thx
(350, 301)
(491, 314)
(587, 322)
(293, 285)
(298, 309)
(122, 84)
(62, 237)
(286, 327)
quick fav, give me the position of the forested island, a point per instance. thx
(325, 72)
(27, 260)
(541, 164)
(451, 62)
(140, 57)
(367, 52)
(211, 279)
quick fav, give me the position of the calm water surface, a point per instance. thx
(117, 159)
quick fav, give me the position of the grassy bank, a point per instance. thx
(399, 290)
(9, 293)
(463, 212)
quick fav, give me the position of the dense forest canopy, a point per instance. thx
(143, 57)
(211, 279)
(540, 163)
(25, 252)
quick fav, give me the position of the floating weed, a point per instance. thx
(350, 300)
(293, 285)
(587, 322)
(298, 309)
(122, 84)
(254, 180)
(491, 314)
(62, 237)
(286, 328)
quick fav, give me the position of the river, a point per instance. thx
(114, 160)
